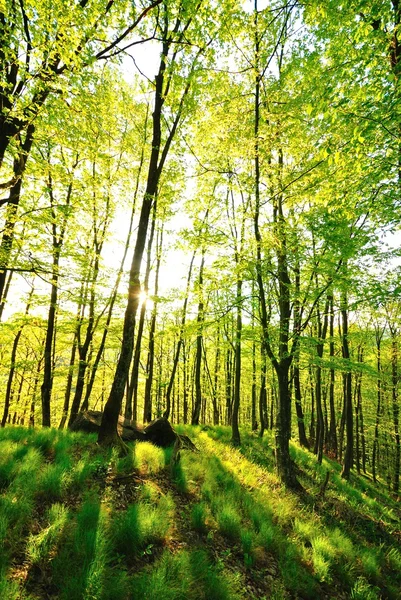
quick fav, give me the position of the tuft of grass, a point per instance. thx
(40, 546)
(247, 543)
(183, 576)
(142, 525)
(148, 458)
(52, 482)
(228, 520)
(370, 565)
(361, 590)
(198, 517)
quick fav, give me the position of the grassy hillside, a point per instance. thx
(77, 522)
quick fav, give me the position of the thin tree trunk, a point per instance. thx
(395, 407)
(180, 340)
(108, 430)
(199, 342)
(8, 396)
(332, 434)
(235, 437)
(131, 406)
(349, 448)
(147, 408)
(379, 332)
(12, 205)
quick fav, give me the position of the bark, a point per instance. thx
(84, 345)
(395, 408)
(12, 205)
(332, 433)
(180, 340)
(147, 408)
(199, 342)
(320, 429)
(131, 405)
(70, 376)
(235, 437)
(57, 245)
(379, 332)
(349, 448)
(254, 423)
(297, 379)
(108, 430)
(11, 372)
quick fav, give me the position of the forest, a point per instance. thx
(200, 223)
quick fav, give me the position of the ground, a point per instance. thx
(79, 522)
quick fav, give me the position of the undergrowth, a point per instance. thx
(78, 522)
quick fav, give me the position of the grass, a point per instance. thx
(79, 523)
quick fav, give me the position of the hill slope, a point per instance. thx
(77, 522)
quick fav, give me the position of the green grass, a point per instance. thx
(90, 525)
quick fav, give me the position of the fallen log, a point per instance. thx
(159, 432)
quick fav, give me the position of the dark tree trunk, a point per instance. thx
(185, 377)
(254, 422)
(180, 341)
(235, 437)
(379, 332)
(13, 203)
(349, 448)
(395, 407)
(320, 430)
(131, 406)
(332, 434)
(297, 379)
(199, 342)
(70, 377)
(108, 431)
(57, 244)
(147, 407)
(263, 392)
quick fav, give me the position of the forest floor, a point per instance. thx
(78, 522)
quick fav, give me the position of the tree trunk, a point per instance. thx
(147, 408)
(108, 431)
(180, 340)
(235, 438)
(13, 203)
(332, 434)
(349, 449)
(199, 341)
(131, 406)
(395, 407)
(379, 332)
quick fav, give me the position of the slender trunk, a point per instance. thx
(12, 206)
(199, 342)
(332, 434)
(395, 408)
(296, 373)
(235, 437)
(262, 392)
(320, 430)
(14, 349)
(108, 430)
(70, 376)
(228, 386)
(147, 408)
(349, 448)
(254, 422)
(216, 412)
(180, 340)
(99, 236)
(131, 405)
(379, 332)
(57, 244)
(185, 376)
